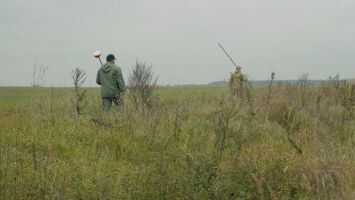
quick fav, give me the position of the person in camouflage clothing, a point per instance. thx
(109, 76)
(236, 82)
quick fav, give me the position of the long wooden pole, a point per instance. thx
(227, 54)
(101, 62)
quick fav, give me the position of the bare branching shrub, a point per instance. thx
(38, 75)
(180, 116)
(302, 88)
(248, 94)
(79, 76)
(272, 80)
(142, 85)
(283, 108)
(269, 93)
(221, 120)
(335, 91)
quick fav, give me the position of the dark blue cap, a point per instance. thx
(110, 57)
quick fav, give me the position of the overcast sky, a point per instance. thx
(178, 37)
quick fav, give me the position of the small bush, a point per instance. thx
(79, 76)
(142, 86)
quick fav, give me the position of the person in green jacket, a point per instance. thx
(109, 76)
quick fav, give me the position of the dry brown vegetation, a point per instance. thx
(292, 142)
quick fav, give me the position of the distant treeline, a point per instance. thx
(267, 82)
(253, 83)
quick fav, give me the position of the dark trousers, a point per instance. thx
(107, 102)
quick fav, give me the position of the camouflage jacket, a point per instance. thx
(236, 79)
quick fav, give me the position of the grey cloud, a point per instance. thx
(178, 37)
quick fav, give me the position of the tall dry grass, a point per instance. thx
(197, 144)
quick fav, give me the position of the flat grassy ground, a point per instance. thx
(283, 142)
(19, 96)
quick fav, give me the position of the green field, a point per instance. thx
(284, 142)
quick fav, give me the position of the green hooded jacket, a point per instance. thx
(111, 80)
